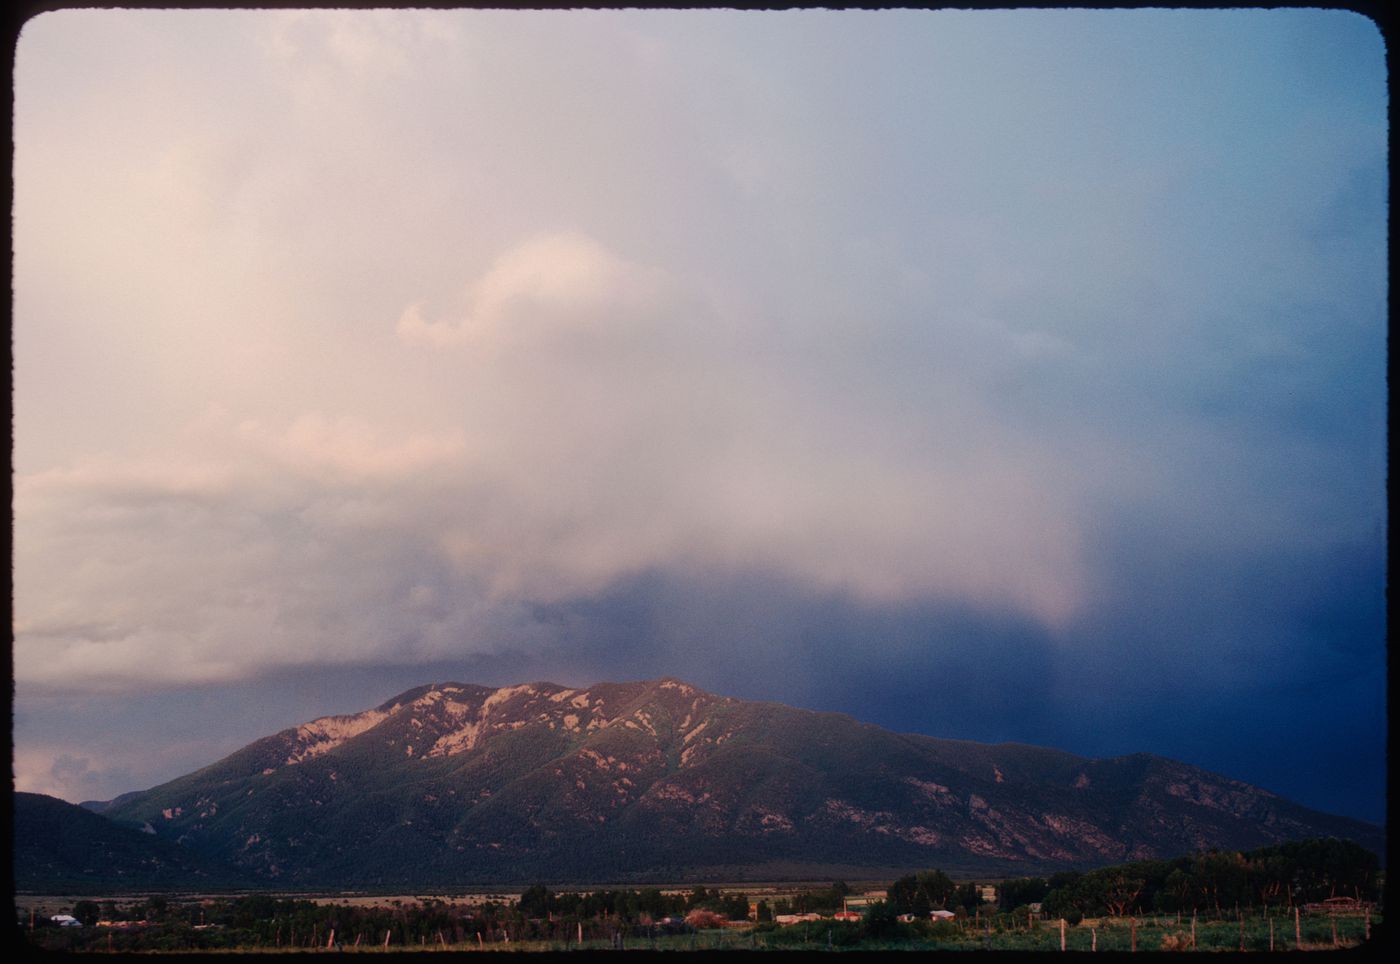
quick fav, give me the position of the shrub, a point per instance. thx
(702, 919)
(1176, 941)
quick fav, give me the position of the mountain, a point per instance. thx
(62, 848)
(453, 783)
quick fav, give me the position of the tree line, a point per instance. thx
(1215, 882)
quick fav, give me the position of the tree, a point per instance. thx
(536, 902)
(1221, 878)
(1117, 889)
(1066, 897)
(1020, 891)
(1179, 891)
(880, 919)
(901, 894)
(652, 901)
(87, 912)
(968, 897)
(937, 886)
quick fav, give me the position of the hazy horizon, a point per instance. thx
(994, 375)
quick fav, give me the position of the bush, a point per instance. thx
(1176, 941)
(702, 919)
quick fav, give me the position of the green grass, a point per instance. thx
(1152, 934)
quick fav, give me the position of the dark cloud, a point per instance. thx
(1006, 377)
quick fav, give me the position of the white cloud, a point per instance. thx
(542, 291)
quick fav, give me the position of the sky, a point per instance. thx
(998, 375)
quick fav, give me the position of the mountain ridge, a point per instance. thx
(657, 778)
(64, 846)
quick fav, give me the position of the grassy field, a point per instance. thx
(1147, 934)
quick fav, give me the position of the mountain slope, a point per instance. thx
(455, 783)
(60, 847)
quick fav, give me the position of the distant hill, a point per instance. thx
(453, 783)
(60, 847)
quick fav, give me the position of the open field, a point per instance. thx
(55, 903)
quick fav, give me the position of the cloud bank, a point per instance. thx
(616, 343)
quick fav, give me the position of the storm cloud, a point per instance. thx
(1011, 375)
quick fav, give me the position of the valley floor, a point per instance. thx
(1254, 934)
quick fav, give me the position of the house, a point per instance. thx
(846, 915)
(942, 914)
(66, 920)
(987, 892)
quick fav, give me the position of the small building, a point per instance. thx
(987, 892)
(942, 914)
(66, 920)
(846, 915)
(1339, 906)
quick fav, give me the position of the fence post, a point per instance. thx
(1297, 929)
(1093, 939)
(1062, 933)
(1133, 925)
